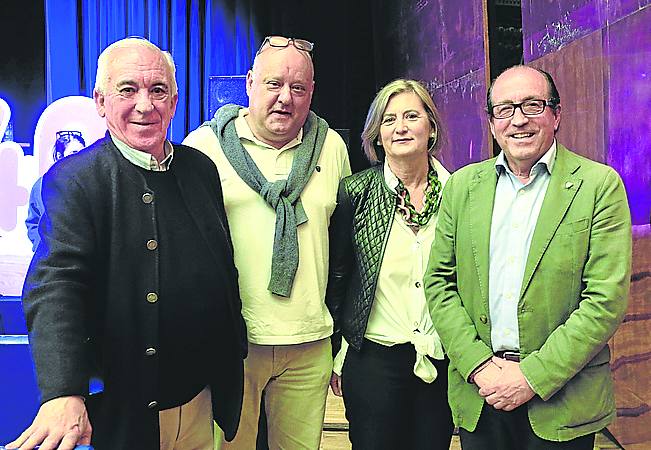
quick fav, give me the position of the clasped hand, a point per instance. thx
(503, 385)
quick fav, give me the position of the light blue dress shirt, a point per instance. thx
(515, 214)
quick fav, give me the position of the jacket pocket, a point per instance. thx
(576, 226)
(588, 397)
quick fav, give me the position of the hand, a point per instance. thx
(61, 423)
(488, 376)
(510, 390)
(335, 385)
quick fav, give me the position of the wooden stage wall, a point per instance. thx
(599, 52)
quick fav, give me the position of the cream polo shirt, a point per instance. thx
(399, 313)
(271, 319)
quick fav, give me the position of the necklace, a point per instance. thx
(413, 218)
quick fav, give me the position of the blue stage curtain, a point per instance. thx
(205, 37)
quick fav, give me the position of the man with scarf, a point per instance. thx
(280, 167)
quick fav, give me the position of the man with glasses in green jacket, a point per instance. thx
(528, 280)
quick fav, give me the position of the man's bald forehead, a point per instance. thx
(272, 55)
(522, 69)
(552, 90)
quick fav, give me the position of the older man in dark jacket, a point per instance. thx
(134, 279)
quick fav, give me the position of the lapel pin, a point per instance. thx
(568, 185)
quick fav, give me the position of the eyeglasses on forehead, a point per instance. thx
(68, 133)
(282, 42)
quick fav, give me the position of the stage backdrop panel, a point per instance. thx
(224, 90)
(599, 52)
(441, 43)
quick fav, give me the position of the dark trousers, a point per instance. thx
(388, 407)
(501, 430)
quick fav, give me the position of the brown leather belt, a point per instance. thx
(509, 355)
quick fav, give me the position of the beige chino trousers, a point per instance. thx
(189, 426)
(295, 380)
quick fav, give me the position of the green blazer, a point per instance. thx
(573, 298)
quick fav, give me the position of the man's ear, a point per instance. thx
(557, 115)
(490, 124)
(99, 103)
(175, 101)
(249, 82)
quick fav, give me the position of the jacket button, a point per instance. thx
(152, 297)
(152, 244)
(147, 198)
(150, 351)
(483, 319)
(152, 405)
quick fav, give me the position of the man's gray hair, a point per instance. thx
(101, 79)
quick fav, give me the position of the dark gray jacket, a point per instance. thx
(90, 300)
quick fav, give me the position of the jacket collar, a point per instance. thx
(564, 184)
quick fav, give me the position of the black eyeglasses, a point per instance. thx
(532, 107)
(282, 42)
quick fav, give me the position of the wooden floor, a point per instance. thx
(338, 440)
(335, 434)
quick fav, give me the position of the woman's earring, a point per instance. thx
(433, 137)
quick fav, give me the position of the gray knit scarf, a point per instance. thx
(281, 195)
